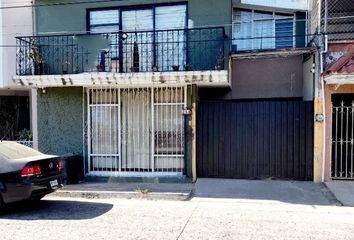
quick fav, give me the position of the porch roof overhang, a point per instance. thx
(201, 78)
(339, 78)
(271, 53)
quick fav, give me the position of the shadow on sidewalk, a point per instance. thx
(54, 210)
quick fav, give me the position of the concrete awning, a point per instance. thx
(201, 78)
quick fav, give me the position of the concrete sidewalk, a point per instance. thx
(155, 191)
(294, 192)
(343, 191)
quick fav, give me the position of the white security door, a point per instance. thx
(135, 131)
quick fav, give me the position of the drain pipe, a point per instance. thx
(322, 52)
(325, 50)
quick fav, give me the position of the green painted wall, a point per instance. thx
(211, 13)
(73, 17)
(60, 120)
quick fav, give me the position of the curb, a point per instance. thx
(179, 196)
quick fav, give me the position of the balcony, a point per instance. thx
(338, 20)
(185, 55)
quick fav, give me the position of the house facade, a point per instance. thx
(174, 88)
(115, 81)
(336, 26)
(14, 100)
(262, 126)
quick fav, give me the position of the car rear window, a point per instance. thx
(12, 151)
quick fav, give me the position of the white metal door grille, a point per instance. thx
(136, 131)
(342, 165)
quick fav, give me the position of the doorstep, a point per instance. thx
(127, 190)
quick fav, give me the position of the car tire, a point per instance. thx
(2, 204)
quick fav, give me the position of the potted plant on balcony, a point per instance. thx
(175, 68)
(37, 58)
(155, 68)
(65, 67)
(219, 60)
(136, 62)
(187, 67)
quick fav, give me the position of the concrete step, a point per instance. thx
(151, 191)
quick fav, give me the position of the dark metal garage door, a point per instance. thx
(255, 139)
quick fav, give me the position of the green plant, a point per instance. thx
(36, 56)
(25, 135)
(35, 53)
(65, 66)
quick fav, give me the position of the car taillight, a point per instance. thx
(31, 170)
(60, 165)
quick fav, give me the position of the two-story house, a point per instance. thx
(336, 28)
(174, 88)
(14, 100)
(262, 127)
(116, 80)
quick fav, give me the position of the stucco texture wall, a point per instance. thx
(60, 121)
(268, 77)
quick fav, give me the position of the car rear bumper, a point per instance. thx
(43, 187)
(31, 188)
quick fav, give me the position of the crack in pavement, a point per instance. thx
(186, 223)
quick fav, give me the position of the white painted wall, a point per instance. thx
(284, 4)
(13, 22)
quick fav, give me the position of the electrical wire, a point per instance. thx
(57, 4)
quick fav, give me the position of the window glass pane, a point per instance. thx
(242, 29)
(103, 130)
(169, 129)
(170, 47)
(104, 17)
(137, 20)
(137, 48)
(262, 30)
(242, 34)
(284, 29)
(263, 34)
(171, 17)
(262, 15)
(105, 29)
(243, 15)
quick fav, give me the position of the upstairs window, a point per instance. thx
(154, 17)
(253, 30)
(155, 33)
(104, 21)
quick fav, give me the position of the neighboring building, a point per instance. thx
(169, 88)
(262, 127)
(14, 100)
(337, 78)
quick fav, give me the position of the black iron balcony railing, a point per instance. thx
(122, 52)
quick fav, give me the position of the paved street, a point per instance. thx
(199, 218)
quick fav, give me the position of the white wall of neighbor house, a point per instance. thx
(308, 78)
(301, 5)
(13, 22)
